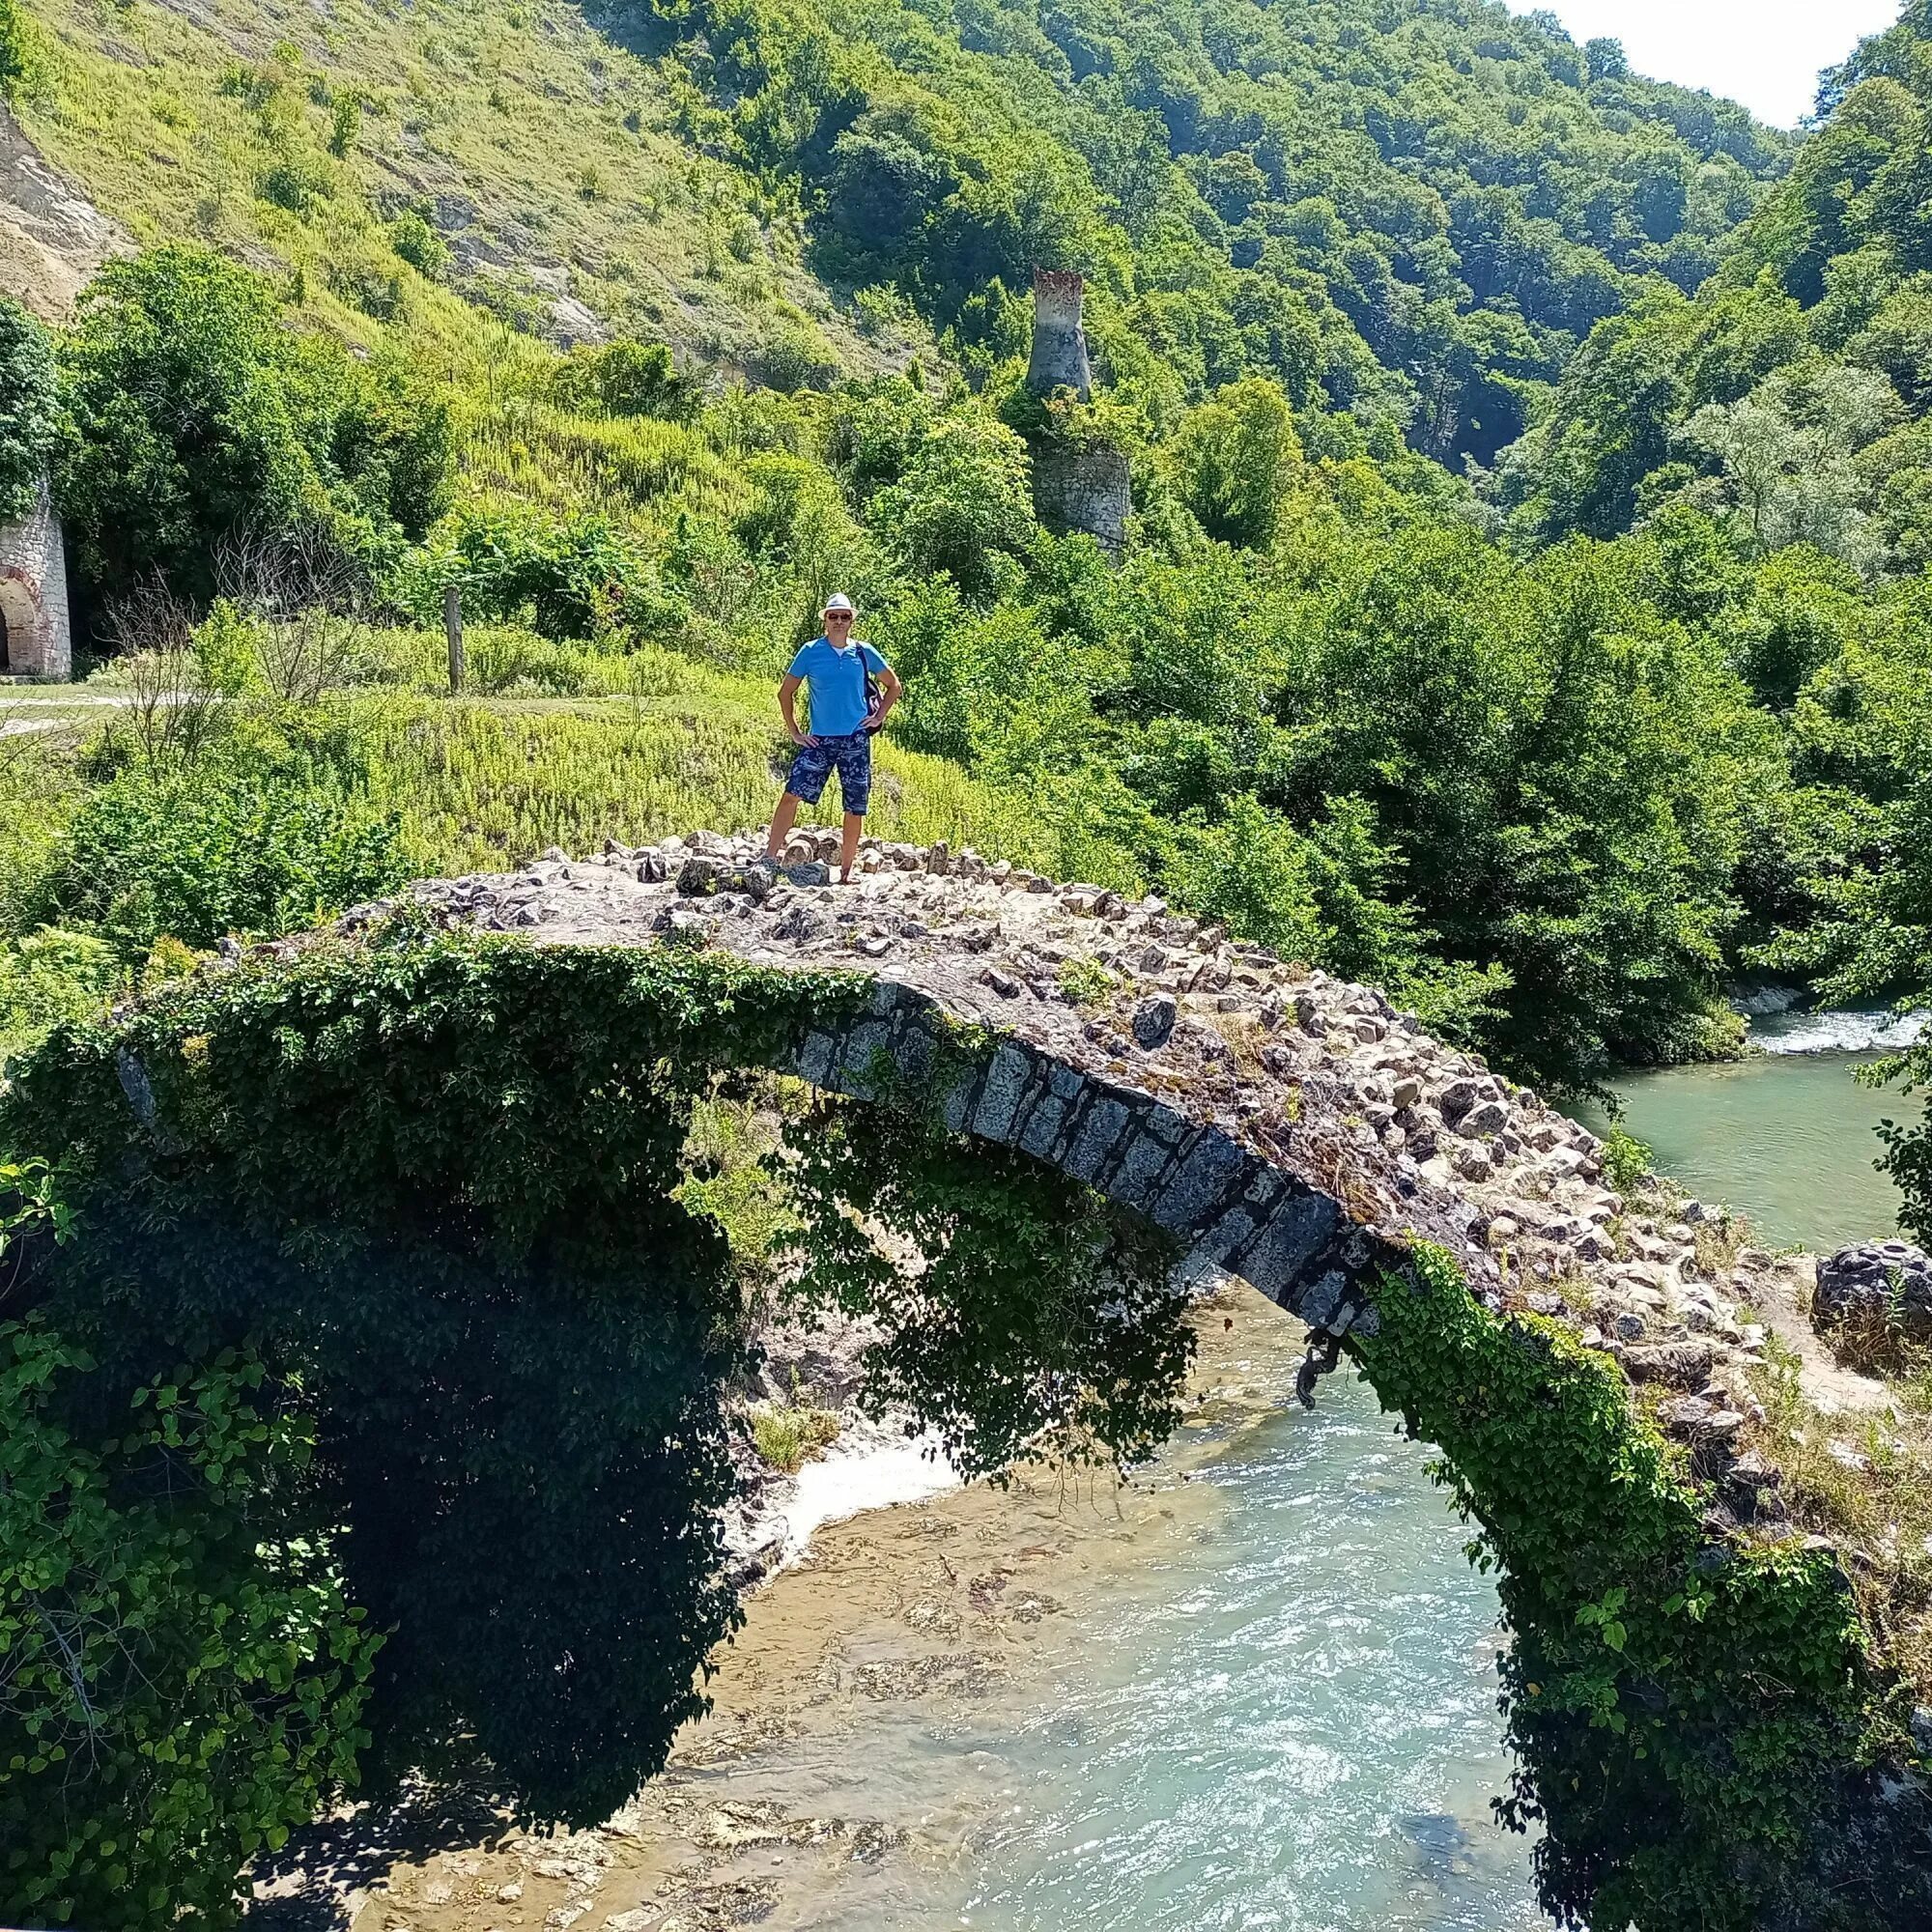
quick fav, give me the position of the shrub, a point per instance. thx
(965, 503)
(51, 976)
(419, 245)
(790, 1438)
(16, 51)
(1086, 981)
(795, 360)
(295, 182)
(625, 379)
(1627, 1161)
(345, 124)
(575, 576)
(179, 1693)
(221, 849)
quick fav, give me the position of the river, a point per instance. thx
(1785, 1136)
(1267, 1701)
(1255, 1690)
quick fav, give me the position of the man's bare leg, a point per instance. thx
(848, 850)
(782, 823)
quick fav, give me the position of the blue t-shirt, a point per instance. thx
(837, 682)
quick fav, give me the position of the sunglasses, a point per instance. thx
(838, 616)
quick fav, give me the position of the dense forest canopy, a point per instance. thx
(1413, 210)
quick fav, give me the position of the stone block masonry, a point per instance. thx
(1085, 489)
(36, 635)
(1059, 356)
(1078, 486)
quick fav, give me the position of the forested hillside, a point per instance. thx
(1555, 794)
(1411, 210)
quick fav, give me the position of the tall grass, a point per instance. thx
(532, 451)
(481, 786)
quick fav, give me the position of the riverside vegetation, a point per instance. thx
(1524, 610)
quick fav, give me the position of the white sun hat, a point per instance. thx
(837, 600)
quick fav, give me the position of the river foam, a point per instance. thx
(1842, 1030)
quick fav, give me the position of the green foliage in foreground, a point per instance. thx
(185, 1678)
(506, 1372)
(514, 1364)
(225, 848)
(1692, 1722)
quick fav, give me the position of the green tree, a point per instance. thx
(1236, 460)
(419, 243)
(965, 503)
(626, 379)
(17, 61)
(196, 413)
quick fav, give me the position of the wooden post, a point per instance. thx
(452, 625)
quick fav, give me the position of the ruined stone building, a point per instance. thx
(1077, 485)
(35, 635)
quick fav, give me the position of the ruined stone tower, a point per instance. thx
(35, 637)
(1059, 358)
(1078, 484)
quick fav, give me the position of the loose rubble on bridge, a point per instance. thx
(1318, 1077)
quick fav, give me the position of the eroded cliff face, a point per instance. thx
(52, 238)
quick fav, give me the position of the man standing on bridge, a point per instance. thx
(847, 706)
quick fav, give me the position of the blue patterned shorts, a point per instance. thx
(851, 755)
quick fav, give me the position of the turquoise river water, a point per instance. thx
(1785, 1137)
(1283, 1718)
(1261, 1699)
(1286, 1720)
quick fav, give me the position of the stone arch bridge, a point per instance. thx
(1287, 1127)
(1297, 1131)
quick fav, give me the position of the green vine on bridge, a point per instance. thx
(1693, 1720)
(423, 1189)
(406, 1219)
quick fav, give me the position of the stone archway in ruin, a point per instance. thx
(1288, 1128)
(1258, 1168)
(19, 626)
